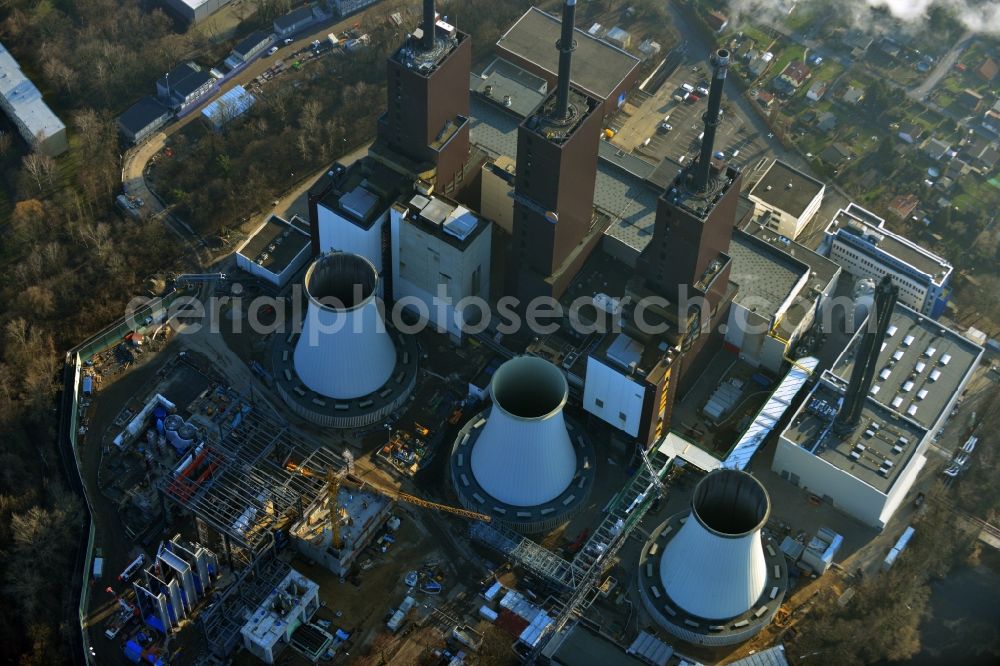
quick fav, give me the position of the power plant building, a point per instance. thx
(289, 606)
(789, 199)
(921, 371)
(712, 576)
(276, 250)
(859, 241)
(610, 71)
(441, 254)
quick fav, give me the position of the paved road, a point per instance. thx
(944, 66)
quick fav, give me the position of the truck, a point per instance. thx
(333, 40)
(98, 563)
(399, 617)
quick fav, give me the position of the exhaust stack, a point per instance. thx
(430, 20)
(566, 46)
(720, 65)
(524, 456)
(344, 350)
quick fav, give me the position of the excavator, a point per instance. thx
(335, 478)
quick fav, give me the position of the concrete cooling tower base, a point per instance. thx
(712, 575)
(524, 519)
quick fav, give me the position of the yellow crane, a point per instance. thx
(334, 479)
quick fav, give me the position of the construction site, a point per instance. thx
(341, 485)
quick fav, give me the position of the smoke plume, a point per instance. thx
(981, 16)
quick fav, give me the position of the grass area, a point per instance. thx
(787, 55)
(828, 71)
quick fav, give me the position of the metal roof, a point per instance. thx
(24, 100)
(233, 103)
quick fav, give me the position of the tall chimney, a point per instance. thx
(720, 64)
(430, 20)
(565, 46)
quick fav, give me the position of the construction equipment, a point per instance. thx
(423, 431)
(334, 479)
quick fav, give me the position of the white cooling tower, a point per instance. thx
(344, 350)
(524, 456)
(715, 568)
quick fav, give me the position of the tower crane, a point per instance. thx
(334, 479)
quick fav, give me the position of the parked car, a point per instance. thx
(272, 50)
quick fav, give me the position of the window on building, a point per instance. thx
(598, 402)
(621, 416)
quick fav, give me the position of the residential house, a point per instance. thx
(717, 21)
(795, 74)
(759, 62)
(765, 99)
(945, 184)
(988, 70)
(890, 47)
(835, 154)
(982, 154)
(956, 168)
(936, 149)
(969, 100)
(858, 41)
(853, 95)
(910, 132)
(826, 122)
(903, 205)
(991, 120)
(817, 90)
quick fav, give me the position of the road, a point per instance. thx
(944, 65)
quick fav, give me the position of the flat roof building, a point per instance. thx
(184, 85)
(195, 11)
(858, 240)
(248, 47)
(290, 605)
(276, 250)
(23, 104)
(294, 21)
(142, 119)
(441, 254)
(921, 372)
(604, 72)
(791, 197)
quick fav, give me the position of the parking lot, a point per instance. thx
(638, 126)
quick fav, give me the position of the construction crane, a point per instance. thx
(334, 479)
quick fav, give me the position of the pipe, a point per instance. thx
(430, 20)
(720, 64)
(565, 46)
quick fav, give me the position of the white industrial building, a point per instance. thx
(276, 250)
(289, 606)
(23, 104)
(611, 391)
(922, 370)
(195, 11)
(349, 210)
(441, 254)
(858, 240)
(789, 198)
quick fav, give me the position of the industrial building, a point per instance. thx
(178, 580)
(348, 7)
(349, 211)
(276, 250)
(347, 367)
(788, 197)
(296, 21)
(866, 466)
(184, 85)
(333, 533)
(424, 132)
(195, 11)
(231, 105)
(283, 612)
(248, 47)
(441, 254)
(143, 119)
(711, 575)
(23, 104)
(608, 76)
(554, 185)
(859, 241)
(521, 461)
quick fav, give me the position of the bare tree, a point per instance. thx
(36, 164)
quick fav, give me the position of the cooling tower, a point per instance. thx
(720, 578)
(523, 454)
(345, 368)
(344, 350)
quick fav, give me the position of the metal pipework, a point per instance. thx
(720, 65)
(566, 45)
(430, 20)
